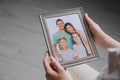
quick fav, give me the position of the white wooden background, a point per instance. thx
(22, 44)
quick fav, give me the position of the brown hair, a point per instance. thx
(77, 34)
(65, 27)
(58, 20)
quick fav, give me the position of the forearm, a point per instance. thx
(108, 42)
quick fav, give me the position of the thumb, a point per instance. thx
(56, 64)
(89, 20)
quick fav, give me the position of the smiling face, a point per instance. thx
(62, 43)
(69, 28)
(60, 25)
(76, 38)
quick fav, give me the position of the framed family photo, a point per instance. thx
(68, 37)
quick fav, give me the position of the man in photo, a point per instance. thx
(61, 33)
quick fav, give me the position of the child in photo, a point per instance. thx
(67, 54)
(78, 47)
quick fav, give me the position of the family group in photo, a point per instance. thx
(72, 43)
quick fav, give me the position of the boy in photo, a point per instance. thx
(67, 54)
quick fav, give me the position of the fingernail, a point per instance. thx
(46, 51)
(51, 58)
(86, 14)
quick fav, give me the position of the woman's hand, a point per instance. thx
(54, 71)
(101, 38)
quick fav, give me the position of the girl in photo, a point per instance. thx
(78, 47)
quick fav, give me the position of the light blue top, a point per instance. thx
(59, 34)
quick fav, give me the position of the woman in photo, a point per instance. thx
(67, 54)
(78, 47)
(69, 28)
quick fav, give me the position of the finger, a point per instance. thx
(92, 25)
(56, 64)
(89, 20)
(46, 63)
(65, 69)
